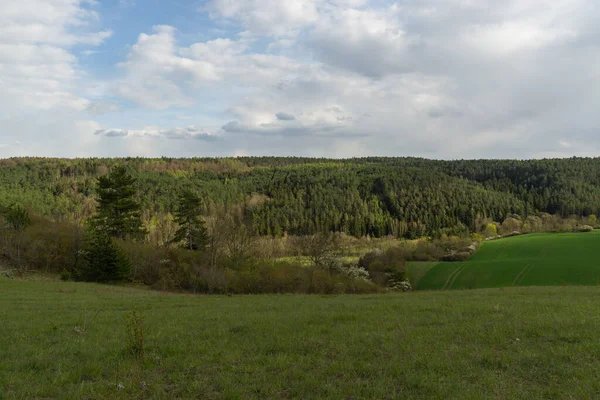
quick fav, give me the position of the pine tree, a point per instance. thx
(118, 212)
(192, 233)
(105, 262)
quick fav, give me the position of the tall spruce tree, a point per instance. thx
(192, 233)
(118, 211)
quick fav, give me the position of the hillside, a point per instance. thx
(404, 197)
(528, 260)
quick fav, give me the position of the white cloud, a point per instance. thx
(159, 74)
(369, 42)
(155, 72)
(54, 22)
(37, 68)
(432, 78)
(509, 37)
(40, 77)
(268, 17)
(436, 78)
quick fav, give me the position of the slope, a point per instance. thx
(528, 260)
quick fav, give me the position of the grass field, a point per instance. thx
(67, 341)
(528, 260)
(416, 270)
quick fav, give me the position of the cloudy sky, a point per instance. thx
(335, 78)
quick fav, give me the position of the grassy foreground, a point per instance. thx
(67, 340)
(545, 259)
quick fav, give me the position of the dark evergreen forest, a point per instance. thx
(403, 197)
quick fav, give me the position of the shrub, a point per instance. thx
(66, 275)
(359, 286)
(584, 228)
(353, 271)
(365, 261)
(400, 286)
(426, 252)
(385, 266)
(510, 225)
(135, 332)
(450, 243)
(490, 230)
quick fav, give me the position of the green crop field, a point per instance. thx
(64, 340)
(528, 260)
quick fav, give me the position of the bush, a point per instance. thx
(353, 271)
(66, 275)
(400, 286)
(365, 261)
(584, 228)
(426, 252)
(490, 230)
(510, 225)
(451, 243)
(385, 266)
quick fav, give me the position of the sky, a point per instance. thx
(442, 79)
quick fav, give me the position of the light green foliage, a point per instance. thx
(527, 260)
(516, 343)
(16, 217)
(491, 230)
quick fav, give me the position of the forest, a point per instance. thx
(402, 197)
(203, 224)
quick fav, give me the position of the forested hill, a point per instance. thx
(407, 197)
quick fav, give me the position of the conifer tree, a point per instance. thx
(192, 233)
(118, 211)
(105, 262)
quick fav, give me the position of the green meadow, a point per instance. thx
(64, 340)
(548, 259)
